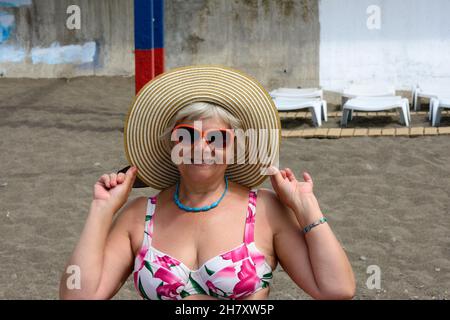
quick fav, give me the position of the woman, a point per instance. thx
(206, 236)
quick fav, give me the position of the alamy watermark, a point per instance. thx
(73, 22)
(374, 19)
(374, 280)
(73, 281)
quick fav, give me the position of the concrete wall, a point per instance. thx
(412, 44)
(38, 44)
(275, 41)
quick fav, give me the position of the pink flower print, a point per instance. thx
(140, 261)
(166, 276)
(171, 291)
(248, 279)
(237, 254)
(215, 291)
(212, 287)
(150, 229)
(257, 258)
(250, 214)
(141, 257)
(250, 226)
(227, 272)
(252, 197)
(173, 285)
(166, 261)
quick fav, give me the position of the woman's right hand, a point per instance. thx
(111, 191)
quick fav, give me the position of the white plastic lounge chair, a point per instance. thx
(429, 91)
(289, 104)
(376, 91)
(436, 106)
(297, 93)
(368, 104)
(313, 94)
(367, 90)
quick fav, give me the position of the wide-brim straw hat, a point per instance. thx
(160, 99)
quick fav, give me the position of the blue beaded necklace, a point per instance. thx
(198, 209)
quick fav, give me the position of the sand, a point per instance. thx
(387, 198)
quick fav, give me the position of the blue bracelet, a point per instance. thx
(314, 224)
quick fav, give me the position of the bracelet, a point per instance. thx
(314, 224)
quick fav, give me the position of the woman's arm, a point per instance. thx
(315, 261)
(103, 254)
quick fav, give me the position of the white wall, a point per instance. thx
(412, 44)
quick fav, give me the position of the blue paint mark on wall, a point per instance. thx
(71, 54)
(11, 54)
(14, 3)
(6, 26)
(8, 53)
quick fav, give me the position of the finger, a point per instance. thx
(290, 175)
(283, 174)
(277, 177)
(106, 181)
(307, 177)
(130, 176)
(274, 182)
(113, 178)
(121, 177)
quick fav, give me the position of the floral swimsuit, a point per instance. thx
(235, 274)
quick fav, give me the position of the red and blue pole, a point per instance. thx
(149, 40)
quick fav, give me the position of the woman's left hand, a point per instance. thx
(297, 195)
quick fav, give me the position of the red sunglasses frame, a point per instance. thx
(203, 133)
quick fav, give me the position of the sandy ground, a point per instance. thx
(387, 199)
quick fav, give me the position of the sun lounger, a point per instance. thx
(436, 106)
(289, 104)
(429, 91)
(373, 97)
(313, 95)
(297, 93)
(368, 104)
(367, 90)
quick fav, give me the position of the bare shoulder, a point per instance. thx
(269, 197)
(131, 215)
(278, 215)
(132, 209)
(131, 219)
